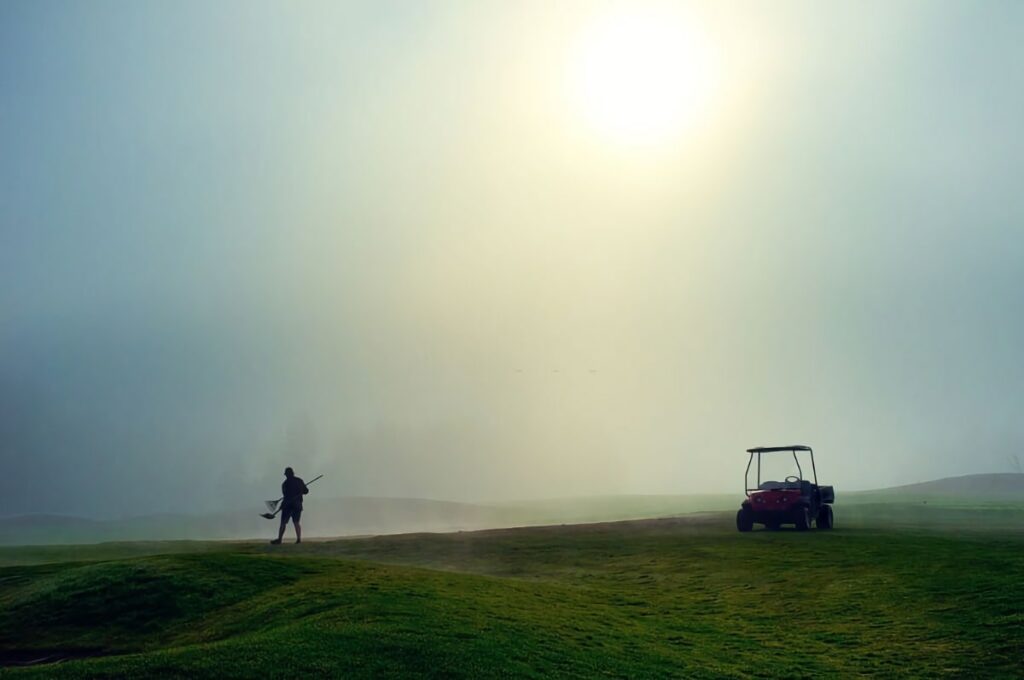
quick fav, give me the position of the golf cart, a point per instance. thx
(794, 500)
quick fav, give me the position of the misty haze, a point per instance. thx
(493, 266)
(430, 288)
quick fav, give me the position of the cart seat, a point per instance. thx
(803, 486)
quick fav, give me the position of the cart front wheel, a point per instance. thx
(744, 520)
(825, 517)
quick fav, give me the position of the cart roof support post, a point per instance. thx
(793, 448)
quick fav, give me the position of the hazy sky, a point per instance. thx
(498, 250)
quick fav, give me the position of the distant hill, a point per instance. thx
(996, 485)
(354, 517)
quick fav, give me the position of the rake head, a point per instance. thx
(273, 506)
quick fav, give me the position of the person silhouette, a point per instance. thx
(293, 489)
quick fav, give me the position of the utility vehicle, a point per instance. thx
(795, 500)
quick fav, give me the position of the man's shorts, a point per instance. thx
(293, 514)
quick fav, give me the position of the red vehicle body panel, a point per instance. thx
(774, 500)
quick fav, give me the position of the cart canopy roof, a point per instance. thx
(769, 449)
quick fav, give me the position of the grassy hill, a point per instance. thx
(1006, 485)
(655, 598)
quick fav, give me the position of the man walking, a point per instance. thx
(293, 489)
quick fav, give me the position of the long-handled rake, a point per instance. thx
(275, 506)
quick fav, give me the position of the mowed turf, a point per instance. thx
(679, 597)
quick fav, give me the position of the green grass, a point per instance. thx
(41, 554)
(678, 597)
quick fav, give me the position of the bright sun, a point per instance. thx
(641, 76)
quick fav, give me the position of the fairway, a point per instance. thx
(655, 598)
